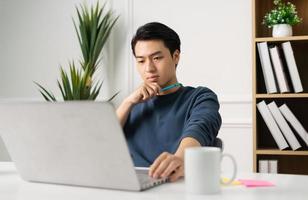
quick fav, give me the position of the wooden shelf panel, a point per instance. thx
(286, 95)
(281, 39)
(281, 152)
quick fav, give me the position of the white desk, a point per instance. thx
(12, 187)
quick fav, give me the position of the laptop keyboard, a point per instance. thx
(146, 181)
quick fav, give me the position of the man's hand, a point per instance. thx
(143, 93)
(172, 165)
(167, 165)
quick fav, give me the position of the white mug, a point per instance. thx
(202, 170)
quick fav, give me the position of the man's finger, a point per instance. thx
(145, 94)
(156, 163)
(151, 91)
(155, 87)
(161, 168)
(173, 166)
(178, 174)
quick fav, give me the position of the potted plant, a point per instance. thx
(282, 18)
(93, 29)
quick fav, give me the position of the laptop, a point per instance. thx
(75, 143)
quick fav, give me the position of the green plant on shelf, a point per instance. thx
(283, 13)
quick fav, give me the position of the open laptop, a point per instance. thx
(75, 143)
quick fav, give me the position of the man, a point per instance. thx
(162, 118)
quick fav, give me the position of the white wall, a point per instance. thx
(38, 37)
(1, 30)
(3, 152)
(216, 52)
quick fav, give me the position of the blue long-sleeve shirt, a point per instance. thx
(159, 124)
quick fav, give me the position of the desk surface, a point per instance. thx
(12, 187)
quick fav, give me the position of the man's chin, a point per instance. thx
(153, 82)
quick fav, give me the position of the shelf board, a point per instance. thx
(286, 95)
(281, 152)
(278, 39)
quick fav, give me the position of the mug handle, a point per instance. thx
(234, 169)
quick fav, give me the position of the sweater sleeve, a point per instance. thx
(204, 120)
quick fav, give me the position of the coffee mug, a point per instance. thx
(202, 170)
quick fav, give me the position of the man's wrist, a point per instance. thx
(128, 103)
(180, 154)
(186, 143)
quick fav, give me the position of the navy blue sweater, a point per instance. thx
(159, 124)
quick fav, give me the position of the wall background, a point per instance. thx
(38, 35)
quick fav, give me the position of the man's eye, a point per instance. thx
(158, 58)
(140, 61)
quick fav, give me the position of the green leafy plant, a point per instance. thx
(93, 29)
(283, 13)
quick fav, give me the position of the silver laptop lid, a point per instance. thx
(77, 143)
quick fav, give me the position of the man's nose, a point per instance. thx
(150, 67)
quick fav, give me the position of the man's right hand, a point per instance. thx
(143, 93)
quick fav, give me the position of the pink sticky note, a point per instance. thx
(255, 183)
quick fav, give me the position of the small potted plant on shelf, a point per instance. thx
(282, 18)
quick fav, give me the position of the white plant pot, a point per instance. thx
(282, 30)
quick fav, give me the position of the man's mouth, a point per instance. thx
(153, 78)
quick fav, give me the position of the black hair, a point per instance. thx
(157, 31)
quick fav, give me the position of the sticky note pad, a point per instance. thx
(255, 183)
(235, 182)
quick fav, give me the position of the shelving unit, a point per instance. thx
(264, 146)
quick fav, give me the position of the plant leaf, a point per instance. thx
(46, 94)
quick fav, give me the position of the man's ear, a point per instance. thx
(176, 57)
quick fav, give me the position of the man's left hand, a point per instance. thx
(167, 165)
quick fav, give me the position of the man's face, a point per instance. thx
(155, 63)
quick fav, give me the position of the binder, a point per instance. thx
(267, 68)
(283, 125)
(272, 126)
(289, 56)
(295, 123)
(279, 70)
